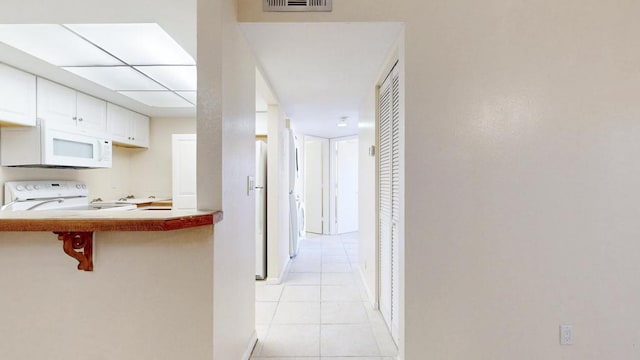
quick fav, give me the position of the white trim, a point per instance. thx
(373, 301)
(279, 279)
(252, 344)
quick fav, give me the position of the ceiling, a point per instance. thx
(320, 72)
(177, 18)
(137, 60)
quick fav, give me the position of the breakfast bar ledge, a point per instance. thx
(75, 228)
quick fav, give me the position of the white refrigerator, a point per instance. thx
(261, 210)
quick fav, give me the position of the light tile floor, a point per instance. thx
(321, 311)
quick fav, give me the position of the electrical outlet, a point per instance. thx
(566, 334)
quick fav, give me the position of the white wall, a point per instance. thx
(367, 204)
(146, 298)
(521, 182)
(226, 145)
(277, 196)
(150, 169)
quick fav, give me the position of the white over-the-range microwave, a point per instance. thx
(44, 145)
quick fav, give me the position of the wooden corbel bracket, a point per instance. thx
(73, 241)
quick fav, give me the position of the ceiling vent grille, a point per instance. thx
(297, 5)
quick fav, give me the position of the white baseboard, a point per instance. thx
(372, 300)
(280, 278)
(250, 346)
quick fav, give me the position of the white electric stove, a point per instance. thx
(52, 195)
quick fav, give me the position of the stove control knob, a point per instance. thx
(19, 187)
(29, 187)
(78, 186)
(37, 187)
(84, 186)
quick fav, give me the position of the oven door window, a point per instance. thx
(76, 149)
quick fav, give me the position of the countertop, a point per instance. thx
(92, 221)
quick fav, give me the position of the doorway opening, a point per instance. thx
(323, 162)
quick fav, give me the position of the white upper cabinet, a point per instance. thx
(17, 97)
(66, 108)
(91, 113)
(56, 103)
(126, 127)
(140, 134)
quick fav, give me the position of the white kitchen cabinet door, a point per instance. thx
(140, 130)
(118, 124)
(126, 127)
(91, 113)
(183, 149)
(56, 104)
(17, 97)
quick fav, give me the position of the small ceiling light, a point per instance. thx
(343, 121)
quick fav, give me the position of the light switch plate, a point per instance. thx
(251, 184)
(566, 334)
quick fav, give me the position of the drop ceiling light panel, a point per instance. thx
(157, 98)
(54, 44)
(135, 44)
(189, 95)
(173, 77)
(116, 78)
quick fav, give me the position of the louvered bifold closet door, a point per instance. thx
(385, 104)
(395, 201)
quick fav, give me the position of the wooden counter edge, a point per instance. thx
(96, 225)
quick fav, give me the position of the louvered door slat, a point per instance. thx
(384, 197)
(395, 201)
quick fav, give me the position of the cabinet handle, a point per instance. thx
(80, 119)
(74, 118)
(133, 138)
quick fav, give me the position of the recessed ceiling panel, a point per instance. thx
(54, 44)
(189, 95)
(116, 78)
(135, 44)
(157, 98)
(174, 77)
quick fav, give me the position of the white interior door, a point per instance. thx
(313, 188)
(347, 186)
(184, 171)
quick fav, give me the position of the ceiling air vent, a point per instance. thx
(297, 5)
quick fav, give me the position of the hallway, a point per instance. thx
(320, 311)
